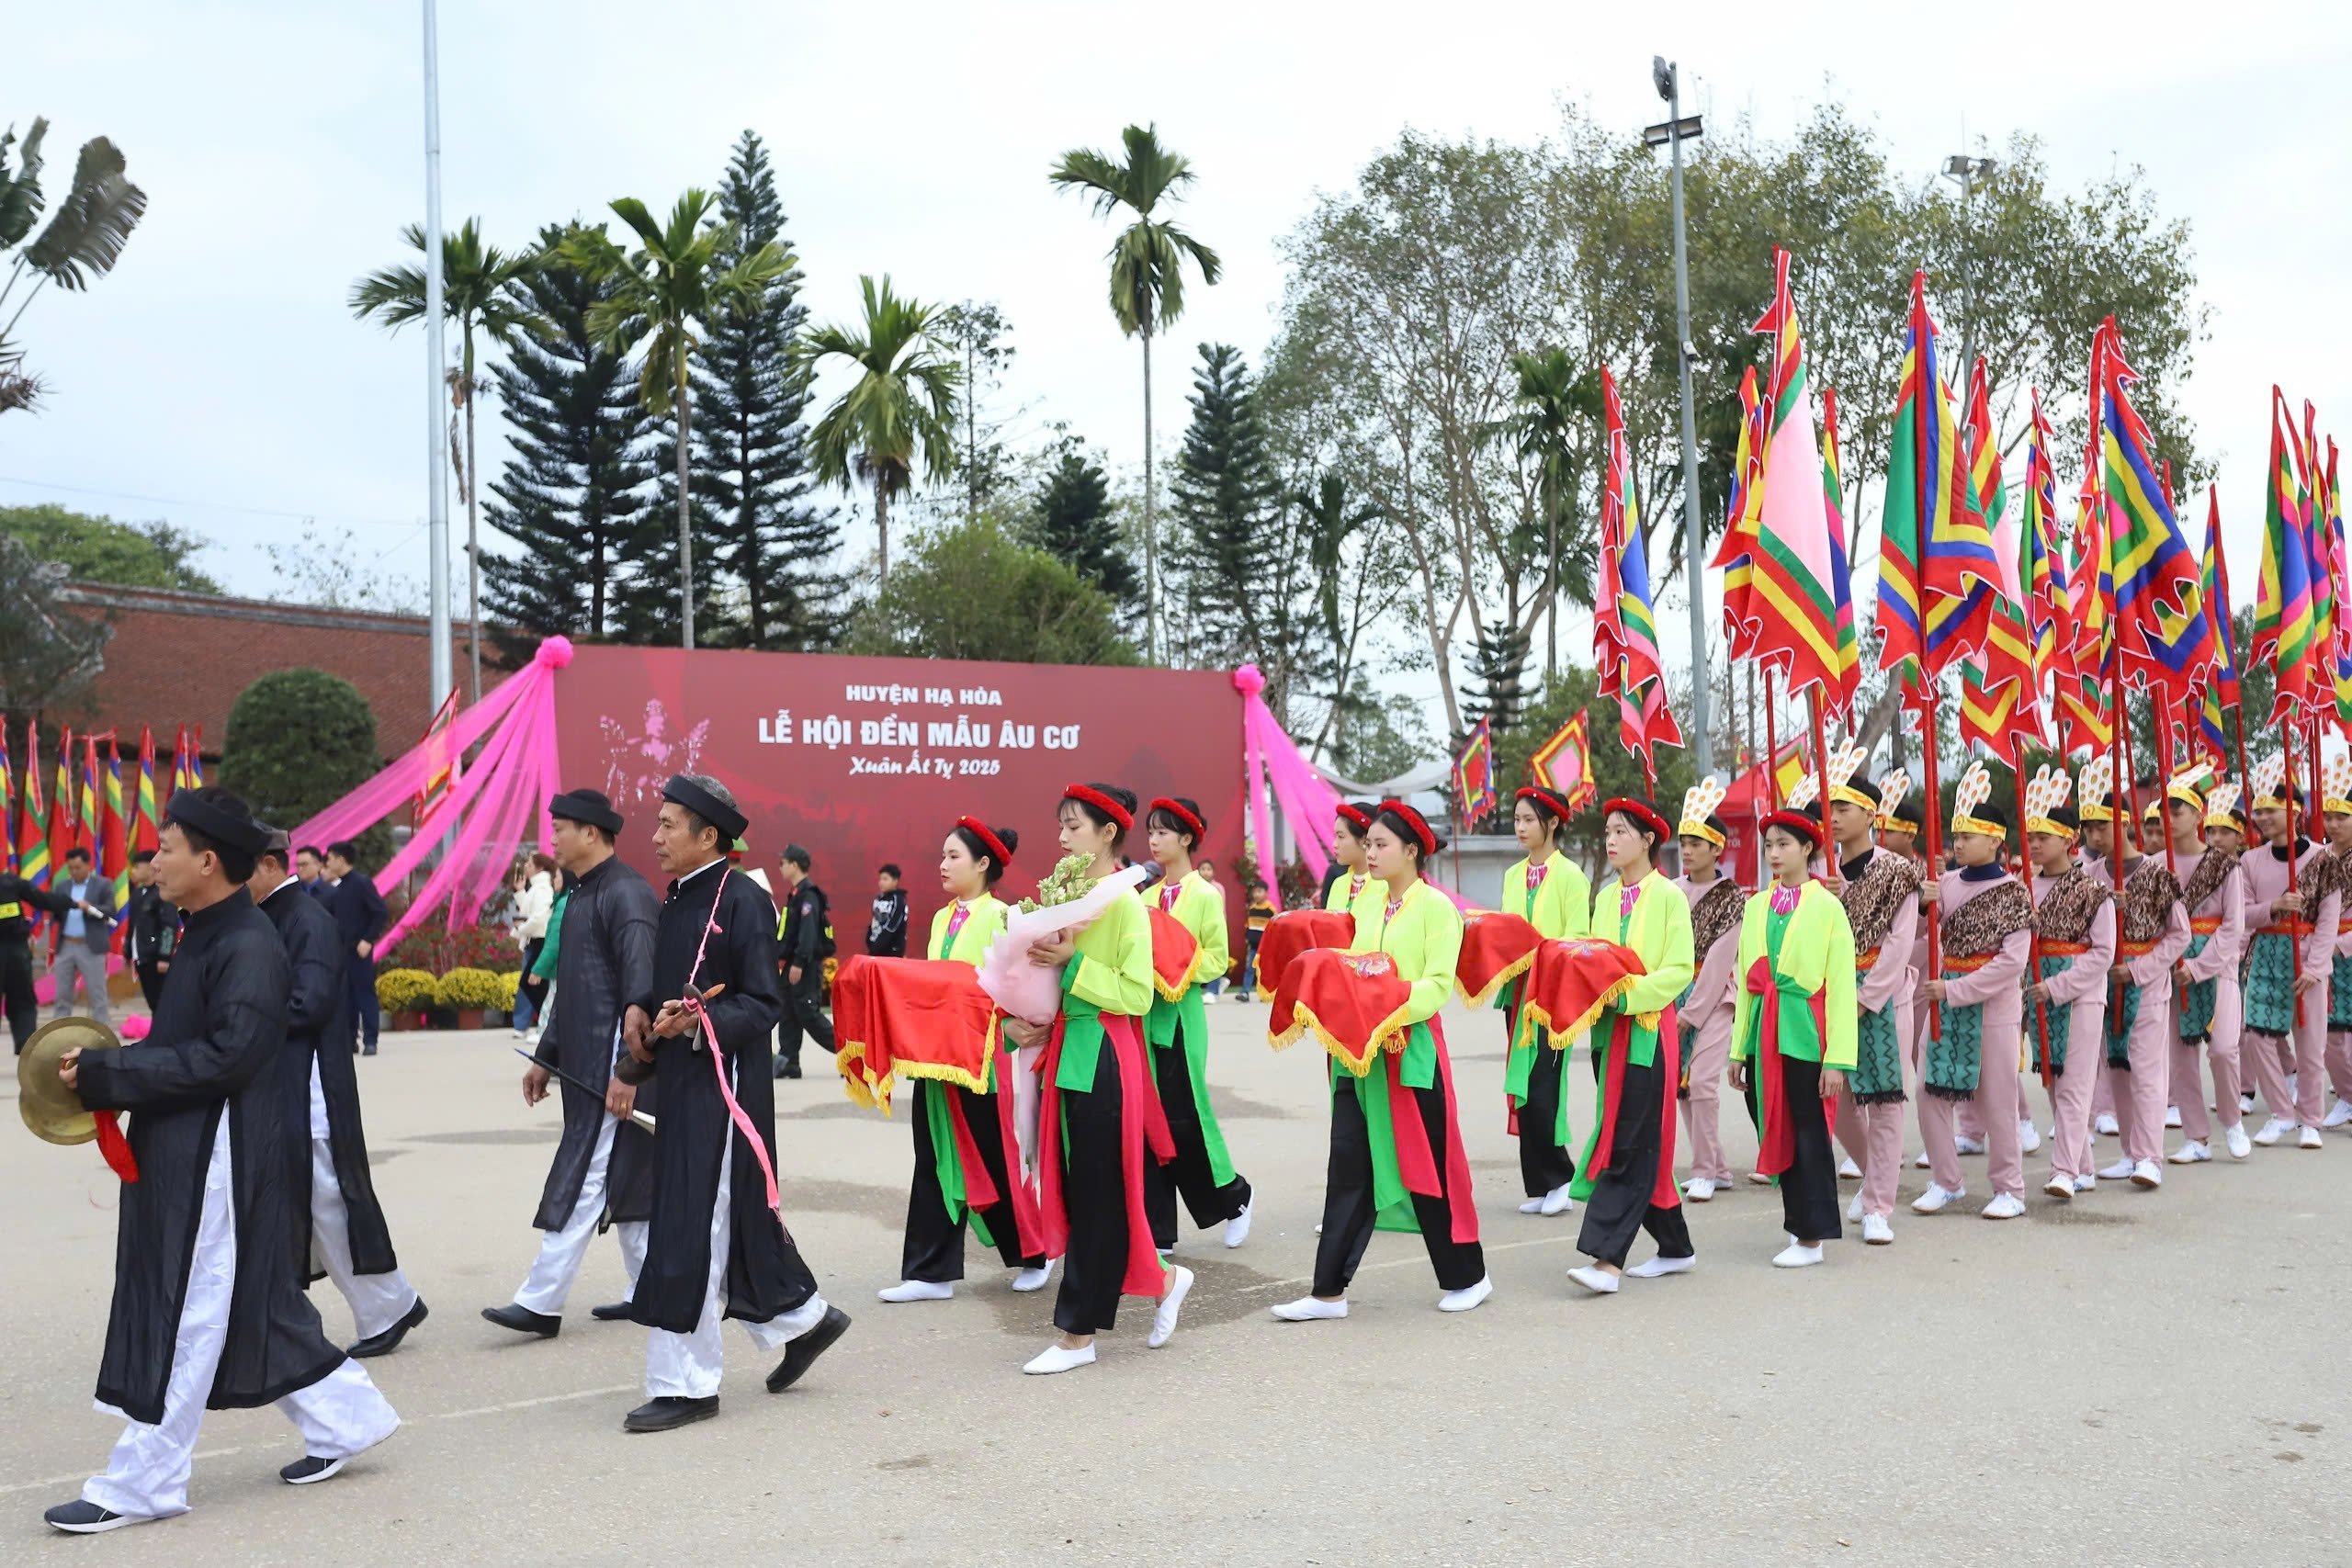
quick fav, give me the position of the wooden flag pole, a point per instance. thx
(2164, 783)
(1931, 820)
(1821, 768)
(2025, 874)
(1772, 745)
(2119, 800)
(2294, 845)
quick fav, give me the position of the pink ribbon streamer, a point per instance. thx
(693, 1003)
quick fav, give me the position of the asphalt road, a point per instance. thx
(2135, 1379)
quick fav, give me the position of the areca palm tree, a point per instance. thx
(1553, 404)
(480, 298)
(1147, 280)
(83, 240)
(904, 399)
(675, 284)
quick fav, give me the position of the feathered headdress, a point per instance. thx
(1844, 764)
(1699, 803)
(2044, 793)
(1805, 791)
(2090, 791)
(2270, 782)
(2336, 784)
(1892, 790)
(2221, 806)
(1975, 787)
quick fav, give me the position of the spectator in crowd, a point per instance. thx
(152, 925)
(360, 918)
(88, 928)
(1261, 915)
(1212, 991)
(310, 870)
(533, 905)
(20, 904)
(805, 942)
(886, 929)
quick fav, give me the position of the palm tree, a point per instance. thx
(86, 237)
(676, 281)
(904, 399)
(480, 295)
(1552, 403)
(1146, 281)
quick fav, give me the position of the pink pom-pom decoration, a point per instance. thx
(1248, 681)
(555, 652)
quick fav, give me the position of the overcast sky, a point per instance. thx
(216, 378)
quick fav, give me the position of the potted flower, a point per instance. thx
(469, 992)
(404, 994)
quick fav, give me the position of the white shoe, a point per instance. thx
(1030, 1280)
(1936, 1199)
(2338, 1113)
(1876, 1232)
(1854, 1209)
(2086, 1184)
(2172, 1115)
(2310, 1139)
(2245, 1104)
(1796, 1256)
(1557, 1201)
(1594, 1278)
(917, 1290)
(2120, 1171)
(1848, 1170)
(2147, 1173)
(2106, 1126)
(1464, 1299)
(2007, 1206)
(1237, 1229)
(1307, 1309)
(1699, 1190)
(2239, 1144)
(1922, 1162)
(2059, 1187)
(2194, 1152)
(2294, 1088)
(2272, 1130)
(1757, 1179)
(1533, 1206)
(1053, 1358)
(1163, 1318)
(1318, 1227)
(1969, 1146)
(1660, 1266)
(2028, 1137)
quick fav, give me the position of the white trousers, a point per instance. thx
(549, 1284)
(687, 1366)
(377, 1301)
(339, 1415)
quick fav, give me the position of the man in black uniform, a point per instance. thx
(360, 915)
(152, 925)
(807, 940)
(886, 929)
(20, 902)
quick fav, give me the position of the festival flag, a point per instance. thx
(1736, 554)
(179, 759)
(1999, 694)
(61, 806)
(113, 837)
(1624, 632)
(2223, 689)
(442, 763)
(32, 835)
(2284, 621)
(8, 804)
(146, 827)
(1934, 538)
(1833, 491)
(2044, 574)
(196, 758)
(1564, 761)
(87, 819)
(2329, 509)
(2083, 720)
(2162, 637)
(1474, 773)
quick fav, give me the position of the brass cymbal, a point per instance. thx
(52, 1111)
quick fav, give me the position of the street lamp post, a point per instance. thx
(1966, 171)
(1668, 78)
(436, 494)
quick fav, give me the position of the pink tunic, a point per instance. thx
(2080, 988)
(1709, 1014)
(2264, 870)
(2217, 962)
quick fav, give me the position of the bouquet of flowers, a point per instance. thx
(1066, 883)
(1066, 900)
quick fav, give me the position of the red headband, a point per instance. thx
(1797, 822)
(1363, 822)
(1412, 818)
(1550, 800)
(1176, 809)
(994, 845)
(1641, 811)
(1102, 803)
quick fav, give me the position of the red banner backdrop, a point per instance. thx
(867, 760)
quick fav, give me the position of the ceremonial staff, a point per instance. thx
(643, 1118)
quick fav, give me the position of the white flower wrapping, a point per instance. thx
(1028, 991)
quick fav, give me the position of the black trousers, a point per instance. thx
(1809, 1187)
(531, 984)
(1094, 1192)
(803, 1013)
(1348, 1209)
(1189, 1173)
(359, 992)
(1620, 1207)
(934, 1245)
(1543, 1163)
(16, 987)
(151, 984)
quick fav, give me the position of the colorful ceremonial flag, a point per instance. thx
(196, 758)
(7, 806)
(86, 821)
(1935, 541)
(1999, 696)
(2285, 625)
(2161, 633)
(1474, 773)
(1564, 761)
(146, 827)
(441, 763)
(1624, 632)
(2043, 571)
(2329, 509)
(1736, 556)
(32, 838)
(1833, 491)
(61, 806)
(2083, 720)
(114, 836)
(2223, 689)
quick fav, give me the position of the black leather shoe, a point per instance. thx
(802, 1353)
(611, 1312)
(788, 1069)
(387, 1342)
(78, 1517)
(367, 1051)
(661, 1414)
(523, 1320)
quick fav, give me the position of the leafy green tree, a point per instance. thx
(1502, 656)
(1381, 740)
(1228, 507)
(82, 242)
(900, 413)
(1553, 406)
(479, 296)
(1074, 524)
(981, 338)
(575, 492)
(299, 741)
(99, 549)
(1146, 281)
(682, 277)
(973, 591)
(50, 650)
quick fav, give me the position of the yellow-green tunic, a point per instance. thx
(1200, 909)
(983, 922)
(1558, 904)
(1656, 927)
(1424, 936)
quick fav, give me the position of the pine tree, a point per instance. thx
(1227, 507)
(576, 491)
(1501, 662)
(763, 546)
(1074, 525)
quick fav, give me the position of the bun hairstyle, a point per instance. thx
(1097, 801)
(979, 849)
(1185, 819)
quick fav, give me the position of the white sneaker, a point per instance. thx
(1464, 1299)
(1854, 1209)
(1594, 1278)
(2294, 1088)
(2059, 1187)
(1921, 1163)
(1030, 1280)
(1699, 1190)
(2239, 1144)
(2086, 1184)
(1660, 1266)
(1053, 1358)
(1876, 1232)
(2245, 1104)
(1848, 1170)
(1757, 1179)
(1237, 1229)
(2338, 1113)
(1796, 1256)
(2310, 1139)
(2029, 1136)
(1969, 1146)
(2194, 1152)
(1936, 1199)
(917, 1290)
(1163, 1318)
(1557, 1201)
(2147, 1173)
(2172, 1115)
(1533, 1206)
(2120, 1171)
(1307, 1309)
(2272, 1130)
(2106, 1126)
(2007, 1206)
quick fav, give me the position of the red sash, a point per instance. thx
(1142, 1121)
(1779, 1150)
(1416, 1161)
(1664, 1193)
(980, 1190)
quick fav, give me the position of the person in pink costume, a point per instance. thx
(2066, 1007)
(2291, 952)
(2208, 1007)
(1705, 1012)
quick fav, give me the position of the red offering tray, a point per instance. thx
(1294, 932)
(1353, 1003)
(1575, 979)
(1173, 948)
(1495, 950)
(918, 1018)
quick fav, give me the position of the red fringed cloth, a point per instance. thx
(1353, 1003)
(1573, 980)
(1296, 931)
(1576, 982)
(1143, 1130)
(1777, 1149)
(1173, 948)
(1495, 950)
(918, 1018)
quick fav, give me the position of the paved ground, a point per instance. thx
(2137, 1379)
